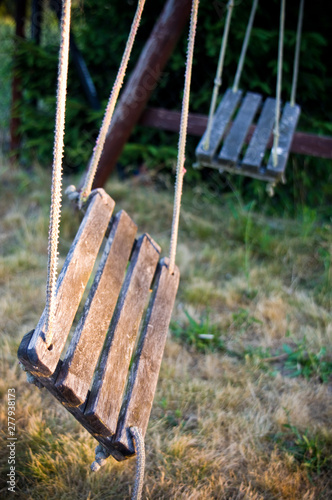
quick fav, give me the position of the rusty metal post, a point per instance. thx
(142, 82)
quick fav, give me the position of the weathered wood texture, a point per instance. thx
(302, 143)
(142, 82)
(110, 294)
(234, 158)
(77, 412)
(71, 283)
(142, 382)
(105, 400)
(288, 123)
(260, 138)
(81, 358)
(220, 123)
(234, 141)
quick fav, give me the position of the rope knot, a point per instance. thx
(100, 458)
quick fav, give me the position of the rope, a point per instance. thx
(86, 190)
(297, 54)
(180, 170)
(245, 46)
(55, 211)
(140, 462)
(276, 132)
(218, 78)
(101, 456)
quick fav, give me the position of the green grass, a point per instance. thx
(309, 449)
(231, 368)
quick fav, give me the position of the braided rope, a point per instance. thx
(276, 132)
(55, 210)
(218, 78)
(140, 462)
(245, 46)
(86, 189)
(180, 170)
(297, 54)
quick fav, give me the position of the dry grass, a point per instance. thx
(217, 429)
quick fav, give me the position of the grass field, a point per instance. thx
(244, 401)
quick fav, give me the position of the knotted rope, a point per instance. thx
(101, 456)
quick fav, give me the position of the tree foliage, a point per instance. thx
(101, 30)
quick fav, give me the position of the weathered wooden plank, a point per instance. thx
(71, 283)
(104, 402)
(220, 122)
(258, 144)
(142, 382)
(235, 139)
(77, 412)
(80, 361)
(288, 123)
(260, 174)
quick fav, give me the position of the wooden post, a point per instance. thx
(15, 137)
(142, 82)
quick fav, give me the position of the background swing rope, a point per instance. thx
(180, 171)
(55, 210)
(87, 187)
(276, 132)
(218, 78)
(245, 46)
(297, 54)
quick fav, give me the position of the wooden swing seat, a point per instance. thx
(106, 378)
(226, 149)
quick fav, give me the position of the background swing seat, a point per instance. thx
(226, 149)
(99, 380)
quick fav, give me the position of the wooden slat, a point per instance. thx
(144, 373)
(78, 366)
(105, 400)
(220, 122)
(288, 125)
(235, 139)
(258, 144)
(77, 412)
(71, 283)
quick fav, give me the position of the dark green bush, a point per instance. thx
(101, 29)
